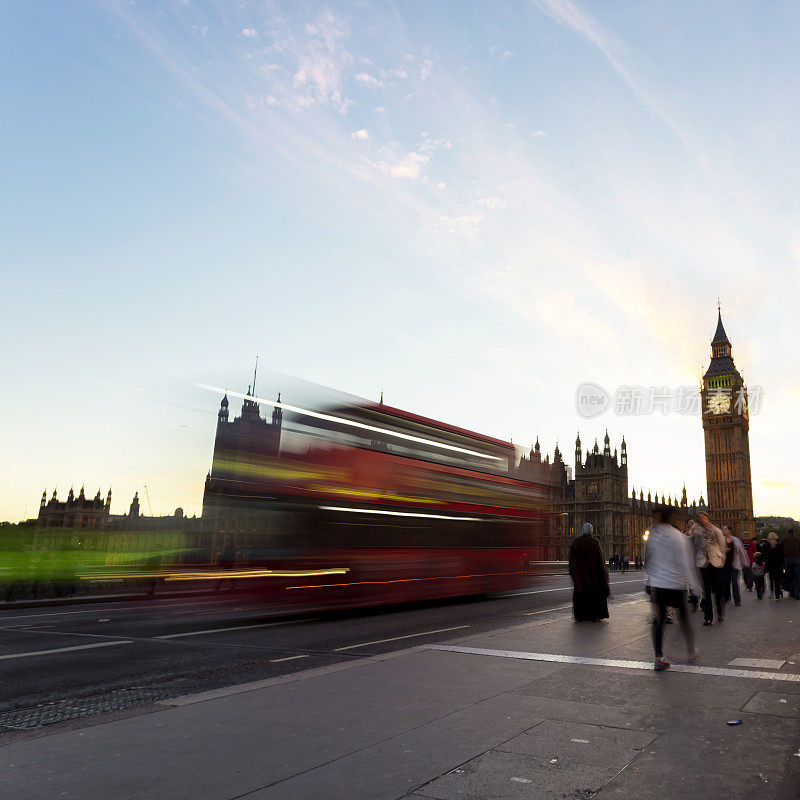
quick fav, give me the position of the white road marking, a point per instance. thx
(546, 610)
(580, 741)
(569, 588)
(65, 649)
(522, 780)
(612, 662)
(288, 658)
(94, 610)
(225, 630)
(760, 663)
(396, 638)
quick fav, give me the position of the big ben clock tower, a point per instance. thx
(726, 423)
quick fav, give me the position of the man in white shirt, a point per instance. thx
(669, 575)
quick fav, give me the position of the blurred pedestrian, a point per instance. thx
(587, 568)
(626, 562)
(747, 572)
(691, 546)
(791, 557)
(774, 559)
(735, 561)
(759, 570)
(710, 559)
(669, 573)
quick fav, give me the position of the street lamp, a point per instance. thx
(646, 535)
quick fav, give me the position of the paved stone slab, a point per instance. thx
(777, 704)
(598, 745)
(510, 776)
(394, 767)
(759, 663)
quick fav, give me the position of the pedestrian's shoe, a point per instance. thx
(720, 619)
(707, 622)
(737, 604)
(660, 664)
(693, 656)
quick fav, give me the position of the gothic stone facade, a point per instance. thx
(598, 494)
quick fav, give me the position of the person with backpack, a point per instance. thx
(710, 559)
(735, 562)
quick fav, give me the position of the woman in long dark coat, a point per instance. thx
(587, 568)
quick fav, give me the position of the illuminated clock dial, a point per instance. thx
(719, 404)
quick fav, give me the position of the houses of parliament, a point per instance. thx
(595, 490)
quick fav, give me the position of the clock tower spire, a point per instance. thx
(726, 427)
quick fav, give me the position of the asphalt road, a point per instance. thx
(60, 665)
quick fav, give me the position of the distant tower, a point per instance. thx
(108, 499)
(43, 501)
(623, 454)
(277, 414)
(578, 453)
(134, 510)
(606, 445)
(222, 415)
(726, 425)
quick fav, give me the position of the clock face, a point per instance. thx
(719, 404)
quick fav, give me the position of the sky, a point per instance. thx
(474, 207)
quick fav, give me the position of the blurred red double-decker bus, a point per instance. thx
(365, 504)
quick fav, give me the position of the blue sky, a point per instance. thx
(475, 207)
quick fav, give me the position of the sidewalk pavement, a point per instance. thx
(547, 709)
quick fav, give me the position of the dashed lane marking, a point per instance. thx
(397, 638)
(288, 658)
(612, 662)
(232, 628)
(65, 649)
(569, 588)
(546, 610)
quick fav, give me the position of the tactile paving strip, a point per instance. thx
(60, 710)
(612, 662)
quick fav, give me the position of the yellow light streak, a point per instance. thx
(210, 575)
(405, 580)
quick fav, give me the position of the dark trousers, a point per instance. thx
(793, 574)
(662, 599)
(775, 577)
(712, 591)
(759, 581)
(747, 577)
(730, 583)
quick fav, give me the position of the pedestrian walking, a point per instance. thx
(626, 562)
(759, 570)
(774, 558)
(735, 561)
(669, 575)
(587, 568)
(791, 558)
(710, 559)
(747, 572)
(691, 545)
